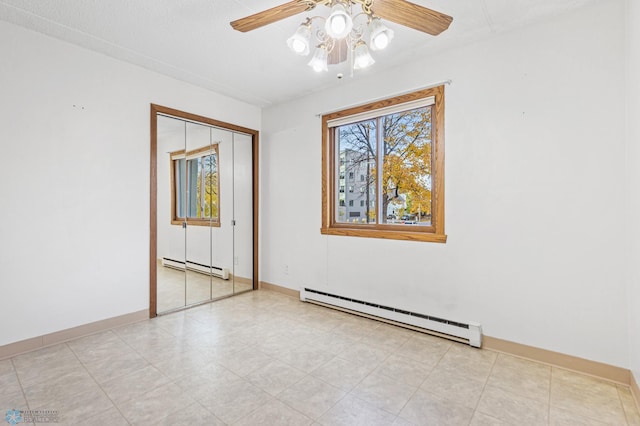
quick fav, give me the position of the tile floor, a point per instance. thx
(177, 288)
(265, 358)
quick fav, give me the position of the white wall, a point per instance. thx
(535, 155)
(75, 180)
(633, 118)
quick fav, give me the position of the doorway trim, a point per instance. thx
(153, 188)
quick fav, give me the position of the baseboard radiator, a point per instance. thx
(470, 333)
(196, 267)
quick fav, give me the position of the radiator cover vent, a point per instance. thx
(468, 332)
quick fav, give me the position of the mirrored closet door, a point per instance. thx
(203, 210)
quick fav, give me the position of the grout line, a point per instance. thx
(484, 386)
(15, 371)
(98, 384)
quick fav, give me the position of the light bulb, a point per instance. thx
(380, 35)
(299, 41)
(362, 57)
(339, 22)
(380, 41)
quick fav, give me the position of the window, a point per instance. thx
(350, 203)
(195, 187)
(351, 175)
(396, 146)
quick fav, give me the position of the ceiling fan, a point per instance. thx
(399, 11)
(339, 36)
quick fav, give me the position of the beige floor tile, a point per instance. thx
(90, 348)
(9, 384)
(405, 370)
(134, 385)
(211, 379)
(66, 386)
(424, 348)
(311, 396)
(275, 413)
(12, 401)
(182, 364)
(480, 419)
(192, 415)
(522, 377)
(226, 346)
(364, 354)
(275, 345)
(586, 396)
(235, 400)
(351, 411)
(341, 373)
(399, 421)
(467, 361)
(305, 358)
(561, 417)
(45, 364)
(457, 389)
(512, 408)
(75, 410)
(116, 365)
(354, 328)
(156, 405)
(6, 367)
(274, 377)
(629, 405)
(384, 392)
(111, 417)
(244, 361)
(386, 337)
(425, 408)
(333, 343)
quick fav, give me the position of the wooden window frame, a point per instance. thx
(433, 233)
(175, 219)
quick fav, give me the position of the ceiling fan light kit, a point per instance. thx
(347, 33)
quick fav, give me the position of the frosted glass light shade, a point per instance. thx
(362, 57)
(339, 22)
(380, 35)
(319, 60)
(299, 41)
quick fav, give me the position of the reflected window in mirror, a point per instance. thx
(195, 186)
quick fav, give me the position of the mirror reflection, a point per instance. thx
(204, 213)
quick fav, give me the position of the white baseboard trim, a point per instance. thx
(17, 348)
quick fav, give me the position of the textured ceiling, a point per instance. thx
(192, 40)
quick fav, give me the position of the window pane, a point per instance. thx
(210, 171)
(181, 186)
(193, 186)
(357, 155)
(406, 180)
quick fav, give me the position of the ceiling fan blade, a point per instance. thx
(272, 15)
(412, 15)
